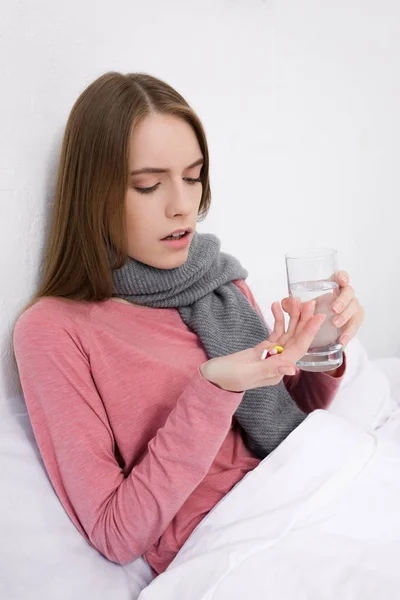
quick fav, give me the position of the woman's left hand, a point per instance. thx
(349, 312)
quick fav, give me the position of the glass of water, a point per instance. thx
(311, 275)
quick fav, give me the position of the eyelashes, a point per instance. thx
(149, 190)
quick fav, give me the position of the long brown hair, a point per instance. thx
(88, 220)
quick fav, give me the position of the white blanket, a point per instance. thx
(317, 519)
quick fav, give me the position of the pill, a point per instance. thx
(272, 352)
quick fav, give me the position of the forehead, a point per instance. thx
(163, 141)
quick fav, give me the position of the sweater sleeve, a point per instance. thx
(120, 515)
(309, 390)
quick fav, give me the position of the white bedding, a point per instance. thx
(307, 523)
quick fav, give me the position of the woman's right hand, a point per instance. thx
(245, 370)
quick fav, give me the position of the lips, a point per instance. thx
(183, 230)
(177, 243)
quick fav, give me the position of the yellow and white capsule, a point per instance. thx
(275, 350)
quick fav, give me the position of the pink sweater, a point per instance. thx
(138, 445)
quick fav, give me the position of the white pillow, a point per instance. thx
(42, 555)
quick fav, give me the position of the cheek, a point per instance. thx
(196, 193)
(133, 209)
(139, 215)
(130, 213)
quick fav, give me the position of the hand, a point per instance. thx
(299, 314)
(245, 370)
(348, 309)
(345, 307)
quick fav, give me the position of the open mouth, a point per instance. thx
(177, 236)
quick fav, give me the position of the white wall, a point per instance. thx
(300, 103)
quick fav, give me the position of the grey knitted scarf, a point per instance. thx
(219, 313)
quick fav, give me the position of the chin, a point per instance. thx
(166, 262)
(173, 262)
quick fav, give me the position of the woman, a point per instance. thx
(139, 356)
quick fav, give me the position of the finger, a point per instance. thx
(352, 328)
(344, 299)
(269, 381)
(342, 278)
(274, 338)
(307, 312)
(347, 314)
(279, 326)
(270, 368)
(299, 345)
(292, 306)
(285, 368)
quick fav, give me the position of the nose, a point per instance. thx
(179, 201)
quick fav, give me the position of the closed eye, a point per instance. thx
(191, 180)
(148, 190)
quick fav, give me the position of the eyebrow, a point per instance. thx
(200, 161)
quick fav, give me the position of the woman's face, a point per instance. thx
(162, 202)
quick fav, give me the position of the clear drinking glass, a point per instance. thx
(311, 274)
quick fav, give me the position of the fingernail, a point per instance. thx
(345, 279)
(338, 321)
(338, 306)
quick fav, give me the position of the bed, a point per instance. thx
(316, 519)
